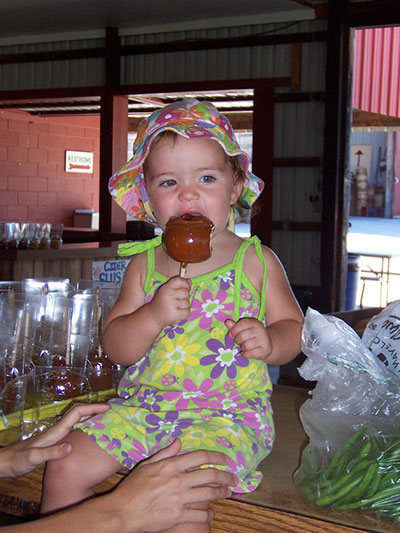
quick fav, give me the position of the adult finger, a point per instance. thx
(190, 461)
(197, 516)
(211, 477)
(64, 426)
(206, 494)
(28, 459)
(165, 453)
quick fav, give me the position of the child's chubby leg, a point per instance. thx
(71, 480)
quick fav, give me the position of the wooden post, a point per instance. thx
(263, 146)
(336, 138)
(113, 138)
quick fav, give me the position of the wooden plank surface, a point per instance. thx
(275, 506)
(236, 517)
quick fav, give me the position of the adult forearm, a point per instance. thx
(92, 515)
(127, 338)
(285, 337)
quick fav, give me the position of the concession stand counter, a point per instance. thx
(276, 506)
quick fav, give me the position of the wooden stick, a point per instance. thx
(99, 327)
(182, 271)
(16, 340)
(68, 348)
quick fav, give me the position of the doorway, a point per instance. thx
(373, 239)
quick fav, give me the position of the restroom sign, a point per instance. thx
(79, 162)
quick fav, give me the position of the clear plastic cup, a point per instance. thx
(56, 233)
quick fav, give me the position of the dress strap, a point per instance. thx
(239, 260)
(138, 247)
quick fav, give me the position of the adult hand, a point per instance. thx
(163, 491)
(23, 457)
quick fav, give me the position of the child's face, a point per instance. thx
(190, 176)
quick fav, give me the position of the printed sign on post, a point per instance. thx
(112, 270)
(79, 162)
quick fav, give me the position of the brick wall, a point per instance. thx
(33, 184)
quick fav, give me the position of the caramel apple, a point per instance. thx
(187, 238)
(101, 376)
(65, 385)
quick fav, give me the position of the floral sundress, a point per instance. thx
(193, 383)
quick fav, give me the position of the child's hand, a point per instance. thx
(252, 337)
(171, 303)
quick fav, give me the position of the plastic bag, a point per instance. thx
(352, 420)
(382, 337)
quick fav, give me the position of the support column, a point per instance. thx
(263, 146)
(336, 139)
(113, 139)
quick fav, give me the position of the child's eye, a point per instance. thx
(207, 179)
(168, 183)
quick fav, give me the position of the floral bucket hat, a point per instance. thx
(191, 119)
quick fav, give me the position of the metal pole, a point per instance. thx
(389, 182)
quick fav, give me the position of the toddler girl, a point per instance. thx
(196, 349)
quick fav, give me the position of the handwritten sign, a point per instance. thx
(112, 270)
(79, 162)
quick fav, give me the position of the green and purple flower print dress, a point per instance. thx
(193, 383)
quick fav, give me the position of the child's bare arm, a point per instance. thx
(278, 342)
(133, 325)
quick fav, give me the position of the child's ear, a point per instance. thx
(237, 189)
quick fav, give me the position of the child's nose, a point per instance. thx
(188, 192)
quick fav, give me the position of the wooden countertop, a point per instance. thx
(276, 506)
(72, 250)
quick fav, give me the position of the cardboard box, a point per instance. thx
(86, 218)
(358, 318)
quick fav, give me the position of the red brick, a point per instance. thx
(48, 141)
(58, 129)
(3, 123)
(37, 214)
(17, 212)
(80, 144)
(92, 133)
(56, 156)
(30, 140)
(27, 169)
(76, 131)
(47, 198)
(57, 185)
(38, 127)
(28, 198)
(37, 155)
(61, 214)
(8, 197)
(18, 125)
(17, 183)
(9, 168)
(75, 201)
(3, 183)
(95, 202)
(37, 184)
(47, 171)
(9, 138)
(15, 153)
(91, 186)
(3, 153)
(75, 184)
